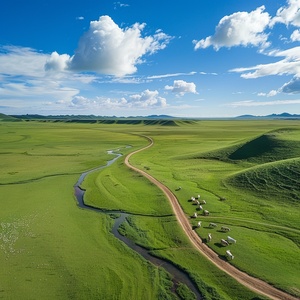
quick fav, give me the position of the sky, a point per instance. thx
(192, 58)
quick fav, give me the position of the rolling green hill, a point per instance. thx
(273, 161)
(4, 117)
(274, 146)
(278, 181)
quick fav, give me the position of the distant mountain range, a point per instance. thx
(88, 118)
(272, 116)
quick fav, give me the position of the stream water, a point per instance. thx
(177, 274)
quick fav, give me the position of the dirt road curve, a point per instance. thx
(252, 283)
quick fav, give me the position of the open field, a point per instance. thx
(46, 241)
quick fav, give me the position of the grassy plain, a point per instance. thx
(49, 248)
(48, 241)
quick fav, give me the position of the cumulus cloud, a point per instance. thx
(182, 87)
(289, 14)
(27, 80)
(108, 49)
(96, 103)
(57, 63)
(144, 100)
(147, 99)
(81, 102)
(239, 29)
(25, 83)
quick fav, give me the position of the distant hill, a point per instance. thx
(161, 120)
(113, 119)
(272, 116)
(4, 117)
(90, 117)
(161, 117)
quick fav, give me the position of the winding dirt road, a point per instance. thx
(248, 281)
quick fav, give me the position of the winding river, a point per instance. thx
(178, 275)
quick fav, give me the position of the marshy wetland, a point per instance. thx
(248, 172)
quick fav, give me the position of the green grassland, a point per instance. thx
(49, 248)
(119, 193)
(264, 214)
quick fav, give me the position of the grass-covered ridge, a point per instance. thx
(276, 159)
(279, 181)
(7, 118)
(269, 147)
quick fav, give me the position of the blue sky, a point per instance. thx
(208, 58)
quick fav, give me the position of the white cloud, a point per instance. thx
(171, 75)
(21, 61)
(295, 36)
(95, 103)
(119, 4)
(23, 79)
(147, 99)
(57, 63)
(270, 94)
(81, 102)
(182, 87)
(36, 91)
(204, 73)
(144, 100)
(289, 14)
(289, 65)
(239, 29)
(108, 49)
(292, 87)
(129, 80)
(250, 103)
(83, 78)
(27, 64)
(34, 81)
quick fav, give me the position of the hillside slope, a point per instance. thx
(270, 147)
(270, 180)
